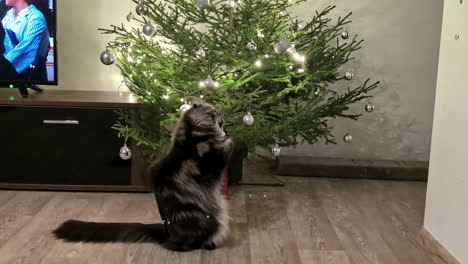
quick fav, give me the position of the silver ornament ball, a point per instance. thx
(282, 45)
(201, 3)
(200, 53)
(345, 35)
(107, 57)
(347, 138)
(149, 29)
(209, 83)
(125, 153)
(349, 75)
(248, 119)
(184, 108)
(369, 108)
(251, 46)
(141, 9)
(130, 16)
(276, 151)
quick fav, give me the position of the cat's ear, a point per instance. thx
(195, 102)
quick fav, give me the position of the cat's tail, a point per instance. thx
(79, 231)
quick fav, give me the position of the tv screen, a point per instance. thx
(27, 42)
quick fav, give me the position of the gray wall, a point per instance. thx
(401, 50)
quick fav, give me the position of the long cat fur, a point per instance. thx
(187, 185)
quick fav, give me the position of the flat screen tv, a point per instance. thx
(28, 51)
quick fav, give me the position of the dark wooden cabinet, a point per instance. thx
(63, 140)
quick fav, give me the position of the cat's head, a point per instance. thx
(202, 119)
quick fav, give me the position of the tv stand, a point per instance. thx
(24, 89)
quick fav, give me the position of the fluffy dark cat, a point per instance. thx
(187, 186)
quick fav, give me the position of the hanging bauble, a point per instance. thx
(369, 108)
(201, 3)
(209, 83)
(347, 138)
(200, 53)
(141, 9)
(251, 45)
(184, 108)
(125, 153)
(149, 29)
(276, 151)
(107, 57)
(248, 119)
(130, 17)
(349, 75)
(345, 35)
(282, 45)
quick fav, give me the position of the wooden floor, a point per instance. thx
(310, 220)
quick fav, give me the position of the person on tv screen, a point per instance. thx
(26, 41)
(7, 71)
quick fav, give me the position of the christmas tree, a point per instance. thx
(268, 73)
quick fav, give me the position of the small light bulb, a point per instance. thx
(216, 84)
(129, 49)
(260, 34)
(181, 100)
(233, 3)
(130, 59)
(155, 80)
(149, 93)
(201, 96)
(302, 58)
(201, 84)
(258, 63)
(166, 97)
(168, 89)
(131, 75)
(138, 61)
(291, 67)
(151, 74)
(267, 56)
(300, 70)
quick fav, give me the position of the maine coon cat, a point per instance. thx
(187, 185)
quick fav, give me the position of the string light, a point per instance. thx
(260, 34)
(267, 56)
(300, 71)
(201, 84)
(130, 59)
(166, 96)
(258, 63)
(216, 84)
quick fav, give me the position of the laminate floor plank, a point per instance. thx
(310, 220)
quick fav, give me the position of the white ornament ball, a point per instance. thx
(349, 75)
(369, 108)
(107, 57)
(184, 108)
(276, 151)
(251, 46)
(149, 29)
(200, 53)
(248, 119)
(347, 138)
(282, 45)
(125, 153)
(345, 35)
(201, 3)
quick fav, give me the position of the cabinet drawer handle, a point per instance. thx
(62, 122)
